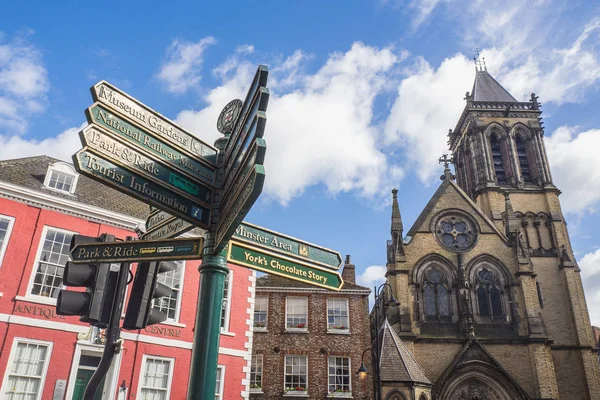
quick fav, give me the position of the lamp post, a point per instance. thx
(379, 310)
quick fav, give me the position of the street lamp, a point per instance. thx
(380, 307)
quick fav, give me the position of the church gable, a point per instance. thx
(475, 374)
(450, 197)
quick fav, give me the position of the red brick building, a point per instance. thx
(43, 202)
(308, 341)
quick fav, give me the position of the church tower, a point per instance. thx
(491, 300)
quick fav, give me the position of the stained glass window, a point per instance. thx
(436, 298)
(523, 161)
(497, 159)
(489, 295)
(455, 233)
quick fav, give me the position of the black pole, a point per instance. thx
(113, 334)
(377, 349)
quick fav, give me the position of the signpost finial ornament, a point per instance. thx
(228, 116)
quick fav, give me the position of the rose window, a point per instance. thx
(455, 232)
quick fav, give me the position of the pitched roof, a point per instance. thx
(274, 281)
(30, 172)
(397, 363)
(486, 88)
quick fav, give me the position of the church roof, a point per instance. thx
(486, 88)
(397, 363)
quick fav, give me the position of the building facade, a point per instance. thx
(491, 300)
(43, 202)
(308, 342)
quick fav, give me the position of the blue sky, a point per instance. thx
(362, 95)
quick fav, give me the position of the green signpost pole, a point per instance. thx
(203, 374)
(207, 332)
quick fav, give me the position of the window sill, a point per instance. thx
(172, 323)
(339, 331)
(226, 333)
(336, 395)
(295, 393)
(256, 391)
(296, 330)
(259, 329)
(49, 301)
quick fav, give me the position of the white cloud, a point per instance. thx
(590, 276)
(372, 276)
(428, 104)
(320, 127)
(575, 165)
(183, 65)
(23, 83)
(62, 147)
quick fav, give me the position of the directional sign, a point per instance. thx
(94, 166)
(157, 219)
(273, 263)
(292, 247)
(198, 169)
(239, 207)
(245, 151)
(173, 228)
(136, 161)
(138, 250)
(132, 109)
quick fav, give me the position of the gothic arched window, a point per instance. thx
(488, 293)
(523, 161)
(436, 295)
(497, 159)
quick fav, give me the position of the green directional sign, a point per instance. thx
(151, 121)
(137, 161)
(98, 114)
(292, 247)
(138, 250)
(96, 167)
(240, 205)
(273, 263)
(172, 228)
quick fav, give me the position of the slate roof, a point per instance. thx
(30, 172)
(486, 88)
(285, 283)
(397, 363)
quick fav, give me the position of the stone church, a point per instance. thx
(491, 305)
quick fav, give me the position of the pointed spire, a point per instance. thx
(396, 218)
(396, 251)
(486, 88)
(511, 224)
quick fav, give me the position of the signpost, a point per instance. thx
(138, 250)
(271, 262)
(188, 183)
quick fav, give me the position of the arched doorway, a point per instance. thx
(478, 386)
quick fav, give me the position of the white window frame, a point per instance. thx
(11, 222)
(37, 298)
(61, 168)
(292, 393)
(296, 329)
(261, 328)
(346, 329)
(340, 394)
(145, 358)
(180, 265)
(254, 365)
(221, 386)
(227, 308)
(11, 358)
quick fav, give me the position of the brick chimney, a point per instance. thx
(348, 273)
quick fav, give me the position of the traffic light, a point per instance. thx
(95, 304)
(145, 288)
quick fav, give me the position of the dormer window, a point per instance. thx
(61, 177)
